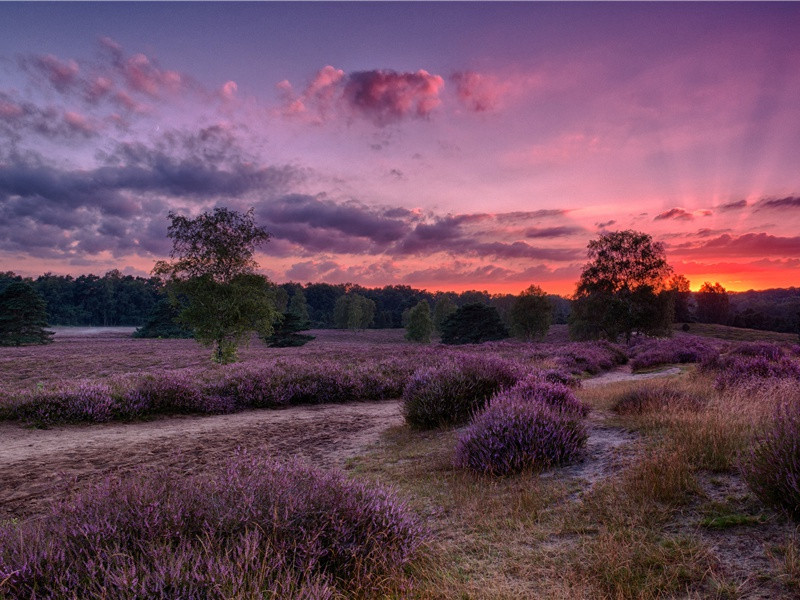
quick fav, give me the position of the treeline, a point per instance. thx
(124, 300)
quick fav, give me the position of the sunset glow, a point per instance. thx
(447, 146)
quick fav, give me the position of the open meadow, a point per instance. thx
(364, 466)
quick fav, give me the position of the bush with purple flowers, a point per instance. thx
(735, 368)
(520, 431)
(772, 467)
(452, 392)
(655, 352)
(537, 388)
(589, 357)
(260, 529)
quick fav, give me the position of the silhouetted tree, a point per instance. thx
(443, 309)
(473, 324)
(679, 286)
(622, 289)
(23, 316)
(299, 307)
(531, 314)
(713, 304)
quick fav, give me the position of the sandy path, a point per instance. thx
(37, 465)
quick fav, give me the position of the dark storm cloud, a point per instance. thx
(778, 203)
(734, 205)
(552, 232)
(677, 214)
(747, 245)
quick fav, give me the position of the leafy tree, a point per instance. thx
(23, 316)
(420, 324)
(163, 323)
(298, 307)
(679, 286)
(622, 288)
(213, 269)
(713, 304)
(353, 311)
(473, 324)
(531, 314)
(443, 309)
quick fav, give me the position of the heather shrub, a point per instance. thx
(772, 467)
(258, 530)
(771, 352)
(590, 357)
(535, 388)
(652, 398)
(452, 392)
(514, 434)
(656, 352)
(738, 369)
(84, 401)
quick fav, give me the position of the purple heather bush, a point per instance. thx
(772, 352)
(537, 388)
(772, 467)
(258, 530)
(521, 431)
(736, 368)
(452, 392)
(654, 352)
(589, 357)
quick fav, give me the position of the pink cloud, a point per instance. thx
(385, 96)
(228, 91)
(79, 123)
(98, 88)
(381, 96)
(478, 91)
(144, 76)
(62, 74)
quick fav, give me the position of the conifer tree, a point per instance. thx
(23, 316)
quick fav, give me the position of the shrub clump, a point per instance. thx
(259, 529)
(536, 387)
(452, 392)
(522, 429)
(772, 467)
(737, 368)
(651, 398)
(656, 352)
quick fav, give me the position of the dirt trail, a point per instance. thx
(608, 445)
(37, 465)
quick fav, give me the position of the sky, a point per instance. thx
(445, 146)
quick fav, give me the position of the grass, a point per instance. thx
(736, 334)
(650, 529)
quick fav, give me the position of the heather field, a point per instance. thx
(365, 466)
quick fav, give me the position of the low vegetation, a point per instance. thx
(259, 529)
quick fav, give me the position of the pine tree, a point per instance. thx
(23, 316)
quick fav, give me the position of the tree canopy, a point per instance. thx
(353, 311)
(713, 304)
(23, 317)
(473, 324)
(213, 275)
(622, 288)
(531, 314)
(420, 324)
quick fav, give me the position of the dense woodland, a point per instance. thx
(124, 300)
